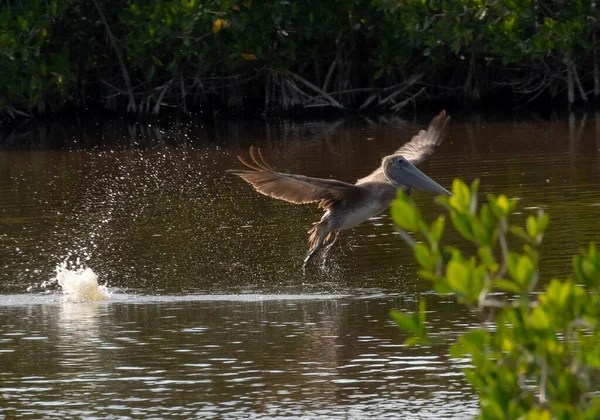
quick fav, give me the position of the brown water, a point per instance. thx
(210, 314)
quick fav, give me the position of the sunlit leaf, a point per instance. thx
(405, 214)
(458, 275)
(538, 414)
(422, 312)
(542, 221)
(520, 233)
(428, 275)
(532, 228)
(218, 25)
(507, 344)
(503, 204)
(461, 196)
(482, 235)
(462, 225)
(405, 322)
(424, 257)
(486, 217)
(525, 270)
(507, 286)
(473, 200)
(475, 338)
(539, 319)
(486, 255)
(436, 229)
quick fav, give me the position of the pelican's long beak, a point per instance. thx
(411, 176)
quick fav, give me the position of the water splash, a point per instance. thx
(78, 283)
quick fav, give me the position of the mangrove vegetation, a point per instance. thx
(535, 354)
(142, 56)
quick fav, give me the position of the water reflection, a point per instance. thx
(334, 357)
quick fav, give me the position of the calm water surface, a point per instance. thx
(210, 314)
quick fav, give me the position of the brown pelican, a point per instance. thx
(347, 205)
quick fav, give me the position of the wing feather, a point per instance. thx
(293, 188)
(422, 145)
(419, 148)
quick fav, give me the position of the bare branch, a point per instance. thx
(331, 70)
(579, 86)
(308, 84)
(131, 105)
(404, 102)
(161, 97)
(403, 87)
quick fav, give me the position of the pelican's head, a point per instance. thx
(399, 171)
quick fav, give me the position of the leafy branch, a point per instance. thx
(539, 358)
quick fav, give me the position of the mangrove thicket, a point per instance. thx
(144, 56)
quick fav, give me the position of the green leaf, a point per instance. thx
(482, 235)
(525, 270)
(443, 201)
(405, 322)
(405, 214)
(503, 204)
(511, 263)
(542, 221)
(538, 414)
(437, 229)
(462, 225)
(441, 286)
(532, 228)
(422, 313)
(428, 275)
(578, 268)
(475, 338)
(539, 319)
(549, 22)
(460, 196)
(458, 275)
(509, 24)
(486, 255)
(521, 268)
(486, 217)
(496, 211)
(424, 257)
(507, 286)
(414, 323)
(520, 233)
(474, 190)
(592, 251)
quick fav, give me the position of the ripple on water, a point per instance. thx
(210, 314)
(307, 362)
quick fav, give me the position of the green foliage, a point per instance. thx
(32, 66)
(180, 52)
(414, 323)
(537, 355)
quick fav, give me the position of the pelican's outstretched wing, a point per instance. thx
(419, 148)
(297, 189)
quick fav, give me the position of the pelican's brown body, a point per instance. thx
(347, 205)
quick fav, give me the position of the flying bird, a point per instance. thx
(347, 205)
